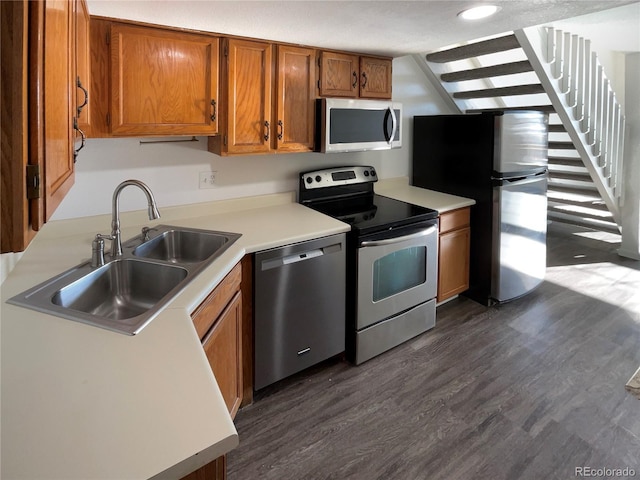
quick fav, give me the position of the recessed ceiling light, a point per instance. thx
(476, 13)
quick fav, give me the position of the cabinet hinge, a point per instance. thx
(108, 119)
(33, 182)
(319, 62)
(318, 83)
(224, 140)
(225, 50)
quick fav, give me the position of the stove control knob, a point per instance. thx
(309, 179)
(318, 178)
(366, 173)
(373, 173)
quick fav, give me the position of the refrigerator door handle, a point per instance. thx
(520, 180)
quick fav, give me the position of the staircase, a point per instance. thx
(555, 72)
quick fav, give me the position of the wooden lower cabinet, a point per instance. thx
(218, 322)
(216, 470)
(223, 346)
(453, 253)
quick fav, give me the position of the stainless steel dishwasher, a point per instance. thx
(299, 307)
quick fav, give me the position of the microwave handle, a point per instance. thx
(394, 124)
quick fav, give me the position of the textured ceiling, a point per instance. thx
(393, 28)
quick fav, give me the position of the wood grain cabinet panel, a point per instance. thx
(216, 470)
(375, 77)
(245, 108)
(339, 75)
(82, 109)
(294, 119)
(218, 321)
(349, 75)
(223, 347)
(163, 82)
(268, 99)
(453, 253)
(57, 165)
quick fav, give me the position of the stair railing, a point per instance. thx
(582, 96)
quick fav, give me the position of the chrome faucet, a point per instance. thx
(116, 241)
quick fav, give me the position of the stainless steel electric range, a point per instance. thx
(391, 258)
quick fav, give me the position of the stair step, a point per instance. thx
(566, 161)
(576, 176)
(557, 128)
(576, 191)
(580, 211)
(590, 203)
(538, 108)
(531, 89)
(485, 47)
(584, 222)
(488, 72)
(561, 146)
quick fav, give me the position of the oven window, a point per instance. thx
(399, 271)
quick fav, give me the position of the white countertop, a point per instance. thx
(81, 402)
(400, 189)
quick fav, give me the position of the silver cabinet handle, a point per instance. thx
(391, 241)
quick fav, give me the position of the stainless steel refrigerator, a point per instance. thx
(500, 160)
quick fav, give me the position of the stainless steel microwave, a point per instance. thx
(350, 125)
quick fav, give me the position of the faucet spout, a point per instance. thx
(116, 242)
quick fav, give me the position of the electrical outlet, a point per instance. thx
(207, 179)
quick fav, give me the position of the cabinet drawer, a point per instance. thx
(209, 310)
(454, 220)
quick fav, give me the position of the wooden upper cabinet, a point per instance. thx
(57, 104)
(375, 77)
(295, 97)
(83, 67)
(163, 82)
(246, 125)
(339, 75)
(347, 75)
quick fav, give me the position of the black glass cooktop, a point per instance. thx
(372, 213)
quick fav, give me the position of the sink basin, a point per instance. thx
(182, 246)
(125, 294)
(120, 289)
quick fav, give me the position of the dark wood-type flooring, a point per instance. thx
(527, 390)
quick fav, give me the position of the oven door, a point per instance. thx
(397, 270)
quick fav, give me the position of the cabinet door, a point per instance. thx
(295, 99)
(57, 105)
(375, 77)
(216, 470)
(163, 82)
(339, 74)
(223, 347)
(83, 63)
(249, 83)
(453, 268)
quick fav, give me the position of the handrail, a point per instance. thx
(582, 97)
(593, 103)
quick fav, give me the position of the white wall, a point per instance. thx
(631, 207)
(612, 33)
(171, 169)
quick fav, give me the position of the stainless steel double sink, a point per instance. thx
(126, 293)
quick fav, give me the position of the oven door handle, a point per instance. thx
(391, 241)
